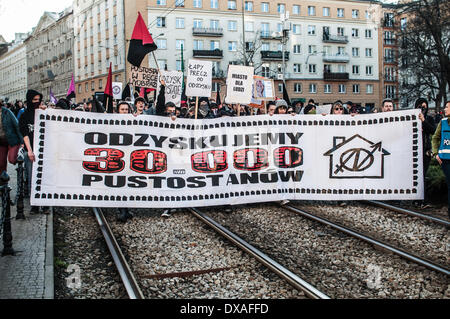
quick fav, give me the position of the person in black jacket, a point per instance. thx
(26, 126)
(428, 129)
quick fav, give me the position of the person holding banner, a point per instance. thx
(441, 148)
(26, 126)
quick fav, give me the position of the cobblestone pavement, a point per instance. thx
(27, 274)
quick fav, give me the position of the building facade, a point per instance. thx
(13, 71)
(331, 50)
(50, 54)
(99, 41)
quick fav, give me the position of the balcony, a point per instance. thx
(389, 59)
(207, 32)
(274, 55)
(215, 54)
(338, 58)
(268, 35)
(390, 41)
(328, 38)
(335, 76)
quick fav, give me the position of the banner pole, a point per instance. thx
(196, 106)
(239, 109)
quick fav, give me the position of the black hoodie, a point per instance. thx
(26, 121)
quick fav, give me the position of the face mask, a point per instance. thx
(36, 105)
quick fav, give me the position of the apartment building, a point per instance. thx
(99, 27)
(13, 70)
(331, 50)
(50, 54)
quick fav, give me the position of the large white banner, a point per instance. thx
(111, 160)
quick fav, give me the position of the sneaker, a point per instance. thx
(284, 202)
(166, 213)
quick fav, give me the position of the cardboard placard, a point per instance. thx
(264, 89)
(199, 78)
(239, 84)
(144, 77)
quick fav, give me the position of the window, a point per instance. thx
(86, 87)
(232, 45)
(312, 68)
(312, 49)
(355, 88)
(280, 87)
(265, 7)
(340, 12)
(249, 6)
(311, 10)
(369, 88)
(100, 84)
(161, 2)
(178, 65)
(297, 68)
(161, 22)
(341, 88)
(80, 89)
(342, 68)
(296, 29)
(232, 25)
(340, 31)
(312, 88)
(197, 4)
(311, 30)
(355, 52)
(327, 88)
(161, 43)
(231, 4)
(249, 46)
(179, 22)
(214, 4)
(214, 24)
(265, 70)
(297, 87)
(249, 26)
(369, 70)
(179, 43)
(213, 44)
(297, 49)
(265, 46)
(279, 27)
(355, 14)
(326, 12)
(162, 64)
(215, 86)
(355, 33)
(281, 8)
(179, 3)
(296, 9)
(368, 52)
(198, 23)
(368, 33)
(198, 44)
(355, 69)
(403, 23)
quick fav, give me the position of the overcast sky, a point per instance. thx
(22, 15)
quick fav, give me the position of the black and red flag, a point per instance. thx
(141, 43)
(108, 94)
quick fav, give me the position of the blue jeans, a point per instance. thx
(446, 169)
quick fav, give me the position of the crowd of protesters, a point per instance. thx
(18, 123)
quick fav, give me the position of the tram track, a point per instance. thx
(152, 280)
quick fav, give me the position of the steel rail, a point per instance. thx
(294, 280)
(407, 212)
(370, 240)
(128, 279)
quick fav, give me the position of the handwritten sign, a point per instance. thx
(174, 84)
(239, 84)
(144, 77)
(199, 78)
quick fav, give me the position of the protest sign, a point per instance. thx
(117, 90)
(122, 161)
(323, 109)
(144, 77)
(263, 88)
(239, 84)
(199, 78)
(174, 85)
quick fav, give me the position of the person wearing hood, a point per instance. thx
(204, 111)
(428, 129)
(26, 126)
(10, 138)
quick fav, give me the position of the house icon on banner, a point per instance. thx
(356, 157)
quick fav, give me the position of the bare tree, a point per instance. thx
(423, 29)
